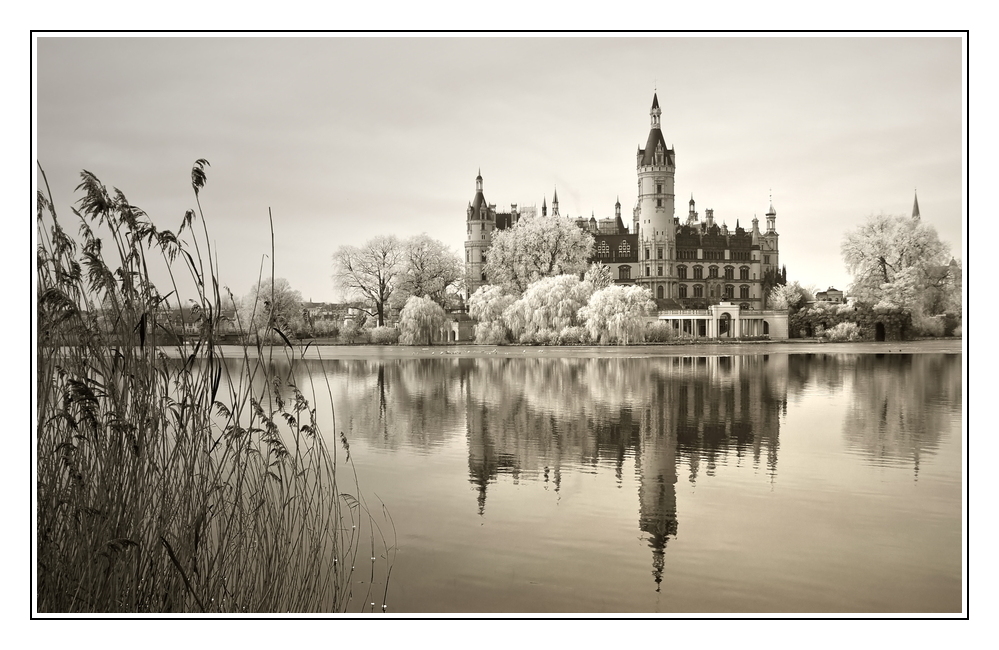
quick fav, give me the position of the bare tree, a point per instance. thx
(432, 270)
(370, 272)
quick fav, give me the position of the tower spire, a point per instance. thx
(915, 206)
(655, 112)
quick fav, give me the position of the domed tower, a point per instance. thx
(656, 221)
(769, 253)
(481, 223)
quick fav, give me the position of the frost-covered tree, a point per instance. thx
(420, 319)
(537, 247)
(430, 268)
(266, 306)
(548, 306)
(486, 306)
(599, 276)
(370, 273)
(617, 314)
(791, 297)
(891, 257)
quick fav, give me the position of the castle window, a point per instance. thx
(766, 259)
(483, 257)
(659, 188)
(647, 254)
(648, 270)
(683, 291)
(603, 249)
(624, 273)
(483, 277)
(729, 273)
(624, 250)
(729, 291)
(713, 272)
(659, 203)
(744, 273)
(468, 256)
(744, 292)
(681, 272)
(659, 253)
(659, 292)
(483, 235)
(659, 269)
(698, 272)
(698, 291)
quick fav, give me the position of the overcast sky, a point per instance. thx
(346, 138)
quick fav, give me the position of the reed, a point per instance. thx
(171, 478)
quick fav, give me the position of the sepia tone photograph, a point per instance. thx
(500, 325)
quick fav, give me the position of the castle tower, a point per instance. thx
(691, 213)
(481, 221)
(769, 254)
(656, 224)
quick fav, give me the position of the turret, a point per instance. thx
(771, 218)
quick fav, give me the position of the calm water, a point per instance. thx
(722, 484)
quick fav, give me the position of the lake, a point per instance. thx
(715, 479)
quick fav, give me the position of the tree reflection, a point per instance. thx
(538, 418)
(902, 405)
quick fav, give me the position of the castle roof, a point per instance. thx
(656, 139)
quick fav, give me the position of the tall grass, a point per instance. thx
(167, 479)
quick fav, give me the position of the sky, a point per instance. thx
(344, 138)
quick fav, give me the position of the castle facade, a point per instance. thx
(686, 264)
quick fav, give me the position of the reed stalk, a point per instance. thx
(171, 478)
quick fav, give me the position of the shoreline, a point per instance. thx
(714, 348)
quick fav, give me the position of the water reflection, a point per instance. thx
(534, 419)
(662, 418)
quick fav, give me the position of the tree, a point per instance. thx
(791, 297)
(547, 307)
(266, 306)
(486, 306)
(617, 314)
(537, 247)
(419, 320)
(370, 273)
(890, 257)
(430, 269)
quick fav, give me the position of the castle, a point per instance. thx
(693, 264)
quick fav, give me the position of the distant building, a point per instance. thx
(830, 295)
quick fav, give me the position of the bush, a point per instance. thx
(384, 335)
(929, 325)
(353, 334)
(843, 332)
(659, 332)
(491, 333)
(575, 335)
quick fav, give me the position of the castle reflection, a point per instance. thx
(538, 416)
(664, 418)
